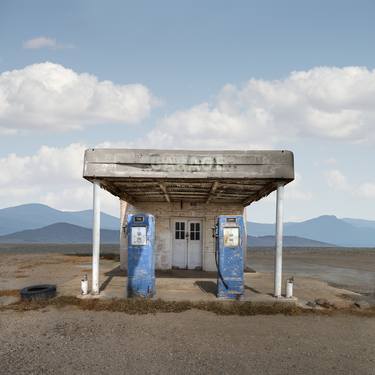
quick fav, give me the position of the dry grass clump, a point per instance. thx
(148, 306)
(9, 293)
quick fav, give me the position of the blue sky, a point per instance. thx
(274, 73)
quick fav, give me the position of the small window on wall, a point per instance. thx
(195, 231)
(179, 230)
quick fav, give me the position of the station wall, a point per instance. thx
(165, 213)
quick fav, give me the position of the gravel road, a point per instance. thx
(70, 341)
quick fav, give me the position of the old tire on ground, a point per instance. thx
(34, 292)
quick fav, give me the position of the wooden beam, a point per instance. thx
(267, 189)
(164, 190)
(212, 191)
(117, 192)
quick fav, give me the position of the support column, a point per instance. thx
(279, 239)
(245, 240)
(123, 236)
(95, 237)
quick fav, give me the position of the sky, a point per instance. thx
(296, 75)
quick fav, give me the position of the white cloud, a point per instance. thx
(366, 190)
(324, 102)
(331, 161)
(295, 191)
(337, 180)
(52, 176)
(44, 42)
(51, 97)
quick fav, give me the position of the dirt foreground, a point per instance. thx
(200, 335)
(72, 341)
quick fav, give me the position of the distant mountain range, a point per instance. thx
(288, 241)
(40, 223)
(68, 233)
(60, 233)
(327, 228)
(32, 216)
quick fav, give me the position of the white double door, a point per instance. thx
(187, 243)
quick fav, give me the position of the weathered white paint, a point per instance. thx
(123, 237)
(245, 239)
(289, 289)
(187, 252)
(95, 237)
(84, 285)
(279, 239)
(200, 176)
(166, 213)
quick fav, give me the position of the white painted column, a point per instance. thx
(95, 237)
(279, 239)
(123, 236)
(245, 239)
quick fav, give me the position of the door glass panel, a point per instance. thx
(179, 230)
(192, 231)
(195, 231)
(197, 235)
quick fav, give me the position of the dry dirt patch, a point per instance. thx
(143, 306)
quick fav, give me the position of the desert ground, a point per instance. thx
(73, 338)
(70, 341)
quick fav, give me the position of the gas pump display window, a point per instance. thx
(138, 236)
(231, 236)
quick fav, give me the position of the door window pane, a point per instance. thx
(182, 230)
(195, 234)
(179, 230)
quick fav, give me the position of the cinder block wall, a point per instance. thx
(164, 214)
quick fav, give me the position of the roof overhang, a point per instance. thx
(137, 175)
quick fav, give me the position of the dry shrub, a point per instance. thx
(147, 306)
(9, 293)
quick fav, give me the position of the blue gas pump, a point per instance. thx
(141, 258)
(229, 233)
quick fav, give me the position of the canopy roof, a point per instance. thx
(199, 176)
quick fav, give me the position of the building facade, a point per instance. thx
(183, 232)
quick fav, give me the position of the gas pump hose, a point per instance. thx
(218, 270)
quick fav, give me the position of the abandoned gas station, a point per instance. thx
(186, 192)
